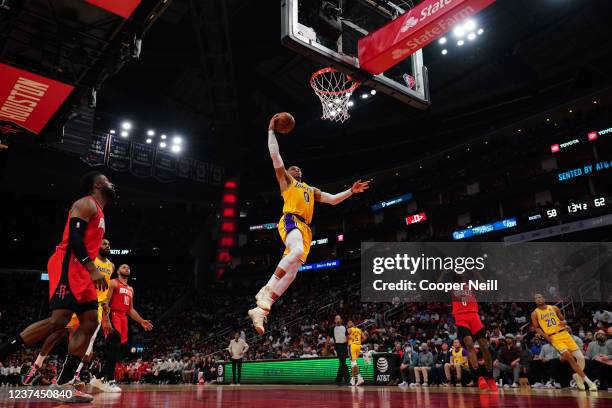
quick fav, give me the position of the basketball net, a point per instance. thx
(334, 89)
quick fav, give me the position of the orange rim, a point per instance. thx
(327, 70)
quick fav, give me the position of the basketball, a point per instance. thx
(285, 122)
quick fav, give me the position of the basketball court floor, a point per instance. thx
(281, 396)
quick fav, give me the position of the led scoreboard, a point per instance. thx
(578, 207)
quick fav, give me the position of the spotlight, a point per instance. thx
(175, 149)
(162, 145)
(595, 102)
(480, 31)
(571, 111)
(163, 137)
(126, 126)
(149, 140)
(150, 133)
(460, 43)
(471, 36)
(470, 25)
(177, 140)
(459, 32)
(350, 104)
(442, 41)
(364, 96)
(444, 51)
(373, 92)
(112, 131)
(548, 119)
(124, 133)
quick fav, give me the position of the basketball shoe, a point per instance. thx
(264, 298)
(258, 316)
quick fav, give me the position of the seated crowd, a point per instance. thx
(185, 349)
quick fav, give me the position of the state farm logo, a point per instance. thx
(408, 24)
(382, 364)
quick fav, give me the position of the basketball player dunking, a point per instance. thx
(549, 323)
(121, 305)
(73, 280)
(106, 267)
(293, 227)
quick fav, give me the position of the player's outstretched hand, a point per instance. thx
(360, 186)
(146, 324)
(272, 124)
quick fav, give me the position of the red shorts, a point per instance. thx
(70, 286)
(469, 321)
(120, 324)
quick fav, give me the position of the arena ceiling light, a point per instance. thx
(112, 131)
(351, 104)
(444, 51)
(468, 30)
(177, 140)
(163, 137)
(124, 133)
(126, 125)
(175, 149)
(162, 145)
(150, 132)
(469, 25)
(459, 31)
(149, 140)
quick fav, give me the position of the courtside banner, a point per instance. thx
(293, 371)
(485, 271)
(29, 100)
(413, 30)
(123, 8)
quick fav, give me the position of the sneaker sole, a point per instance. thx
(259, 329)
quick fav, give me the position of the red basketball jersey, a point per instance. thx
(93, 233)
(121, 299)
(464, 301)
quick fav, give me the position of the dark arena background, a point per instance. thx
(461, 122)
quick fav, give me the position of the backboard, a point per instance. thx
(327, 31)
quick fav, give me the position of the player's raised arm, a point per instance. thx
(333, 199)
(277, 161)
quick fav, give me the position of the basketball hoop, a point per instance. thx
(334, 89)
